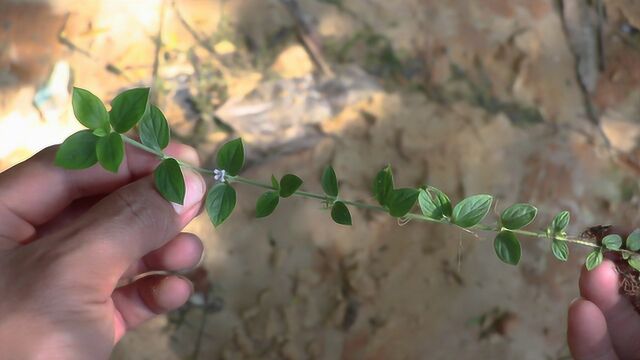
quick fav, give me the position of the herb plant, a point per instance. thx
(103, 142)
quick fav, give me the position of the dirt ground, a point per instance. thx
(530, 100)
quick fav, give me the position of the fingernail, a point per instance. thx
(201, 261)
(574, 300)
(195, 189)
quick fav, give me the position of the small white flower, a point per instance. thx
(218, 175)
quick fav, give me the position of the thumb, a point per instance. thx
(128, 224)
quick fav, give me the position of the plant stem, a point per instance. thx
(163, 156)
(305, 194)
(410, 216)
(140, 146)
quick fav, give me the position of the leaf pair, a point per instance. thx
(84, 149)
(632, 243)
(88, 147)
(469, 212)
(397, 201)
(559, 224)
(434, 203)
(268, 201)
(506, 244)
(99, 144)
(127, 109)
(221, 199)
(339, 211)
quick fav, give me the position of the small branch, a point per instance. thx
(215, 59)
(584, 44)
(64, 40)
(307, 37)
(162, 156)
(158, 48)
(410, 216)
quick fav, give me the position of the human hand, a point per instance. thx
(603, 324)
(69, 238)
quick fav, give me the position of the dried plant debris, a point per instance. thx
(479, 93)
(496, 323)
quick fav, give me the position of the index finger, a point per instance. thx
(37, 190)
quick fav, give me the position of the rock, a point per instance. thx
(284, 115)
(581, 30)
(623, 135)
(224, 47)
(293, 62)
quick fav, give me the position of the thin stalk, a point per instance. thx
(163, 156)
(410, 216)
(304, 194)
(141, 146)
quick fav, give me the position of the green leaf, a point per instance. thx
(154, 129)
(560, 222)
(266, 203)
(434, 203)
(89, 110)
(560, 250)
(340, 213)
(507, 247)
(383, 185)
(329, 182)
(78, 151)
(633, 240)
(471, 210)
(289, 184)
(593, 259)
(110, 151)
(220, 203)
(169, 181)
(634, 262)
(518, 216)
(274, 183)
(612, 242)
(231, 157)
(128, 108)
(401, 201)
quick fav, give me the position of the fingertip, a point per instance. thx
(587, 332)
(600, 285)
(167, 293)
(145, 298)
(182, 253)
(183, 152)
(195, 190)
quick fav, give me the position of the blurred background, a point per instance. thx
(529, 100)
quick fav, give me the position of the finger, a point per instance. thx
(67, 216)
(125, 226)
(12, 227)
(35, 191)
(184, 252)
(587, 332)
(601, 286)
(146, 298)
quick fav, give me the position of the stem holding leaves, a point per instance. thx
(103, 142)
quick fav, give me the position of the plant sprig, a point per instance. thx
(103, 142)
